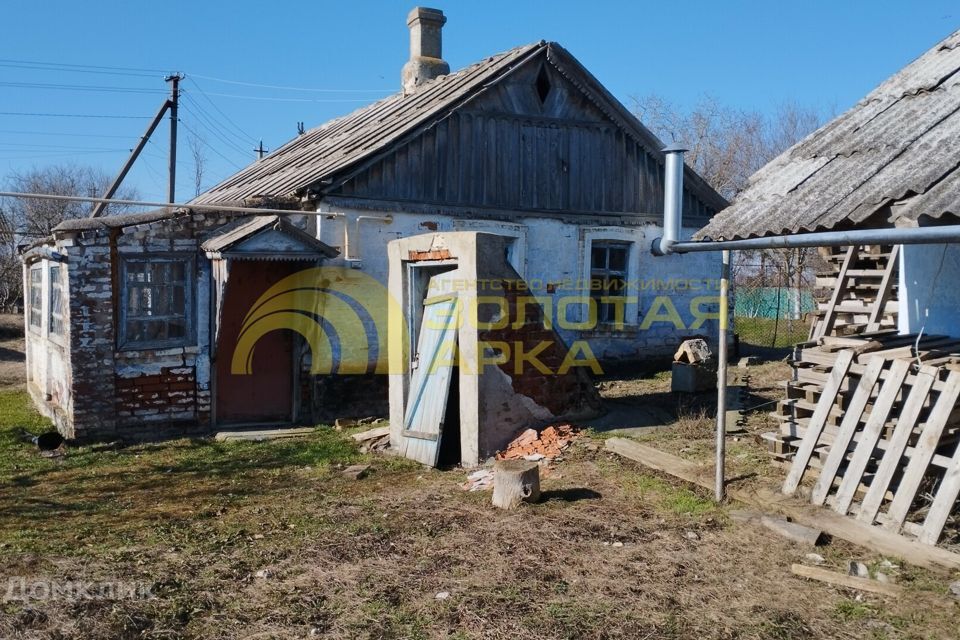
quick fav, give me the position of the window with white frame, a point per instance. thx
(608, 274)
(36, 296)
(156, 305)
(56, 301)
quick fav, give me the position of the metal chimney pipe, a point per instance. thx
(672, 200)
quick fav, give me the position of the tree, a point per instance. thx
(25, 220)
(727, 146)
(198, 153)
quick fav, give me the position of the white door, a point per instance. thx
(430, 378)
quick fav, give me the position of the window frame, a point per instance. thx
(605, 272)
(124, 342)
(35, 278)
(61, 317)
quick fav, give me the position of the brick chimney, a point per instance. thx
(426, 48)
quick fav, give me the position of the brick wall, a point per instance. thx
(526, 333)
(142, 393)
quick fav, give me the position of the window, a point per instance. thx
(36, 296)
(608, 274)
(157, 302)
(56, 299)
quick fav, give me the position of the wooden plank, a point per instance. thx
(883, 295)
(943, 503)
(658, 460)
(826, 325)
(879, 540)
(897, 444)
(870, 434)
(851, 420)
(829, 395)
(923, 452)
(849, 582)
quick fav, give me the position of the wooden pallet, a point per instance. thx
(873, 463)
(863, 291)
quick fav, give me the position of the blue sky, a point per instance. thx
(750, 55)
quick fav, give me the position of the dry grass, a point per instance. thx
(607, 554)
(196, 521)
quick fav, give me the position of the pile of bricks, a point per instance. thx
(548, 444)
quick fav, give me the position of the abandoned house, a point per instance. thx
(872, 411)
(134, 320)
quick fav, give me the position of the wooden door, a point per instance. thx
(267, 393)
(431, 378)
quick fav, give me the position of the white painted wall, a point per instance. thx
(659, 311)
(47, 354)
(929, 291)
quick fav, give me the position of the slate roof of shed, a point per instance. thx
(891, 160)
(329, 152)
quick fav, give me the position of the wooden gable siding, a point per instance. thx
(509, 150)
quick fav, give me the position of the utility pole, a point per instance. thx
(260, 151)
(174, 81)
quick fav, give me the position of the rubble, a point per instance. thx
(479, 480)
(356, 471)
(547, 445)
(694, 369)
(376, 439)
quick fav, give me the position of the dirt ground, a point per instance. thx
(11, 350)
(269, 540)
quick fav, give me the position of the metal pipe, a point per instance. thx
(900, 235)
(672, 200)
(387, 219)
(722, 377)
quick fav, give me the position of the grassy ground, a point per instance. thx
(269, 540)
(771, 332)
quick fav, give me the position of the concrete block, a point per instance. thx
(692, 378)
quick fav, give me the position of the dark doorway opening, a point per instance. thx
(450, 433)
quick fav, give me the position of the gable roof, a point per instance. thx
(328, 153)
(267, 238)
(891, 160)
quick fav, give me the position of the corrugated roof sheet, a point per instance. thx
(890, 160)
(330, 151)
(118, 221)
(334, 146)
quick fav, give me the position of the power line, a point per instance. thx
(70, 115)
(37, 67)
(275, 99)
(65, 134)
(210, 124)
(53, 146)
(220, 111)
(212, 148)
(56, 154)
(78, 87)
(81, 66)
(286, 88)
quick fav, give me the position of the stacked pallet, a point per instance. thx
(882, 435)
(876, 418)
(861, 284)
